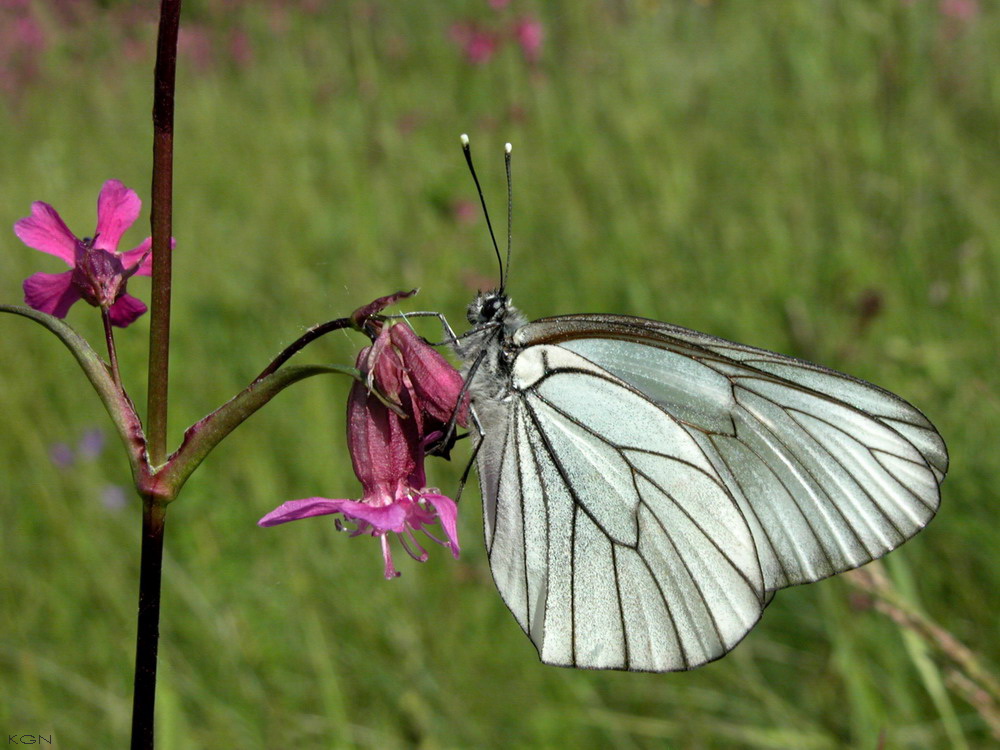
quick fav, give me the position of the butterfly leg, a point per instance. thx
(472, 458)
(476, 422)
(443, 446)
(451, 338)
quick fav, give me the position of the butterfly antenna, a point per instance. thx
(468, 160)
(510, 212)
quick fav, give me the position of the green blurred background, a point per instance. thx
(818, 178)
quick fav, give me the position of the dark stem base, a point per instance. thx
(148, 630)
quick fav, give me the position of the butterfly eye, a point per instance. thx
(487, 307)
(491, 307)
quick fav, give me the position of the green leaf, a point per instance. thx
(117, 403)
(201, 437)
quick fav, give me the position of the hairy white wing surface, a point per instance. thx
(830, 472)
(611, 536)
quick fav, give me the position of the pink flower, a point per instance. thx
(428, 386)
(387, 448)
(478, 44)
(529, 34)
(99, 273)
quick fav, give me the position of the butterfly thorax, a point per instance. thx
(490, 343)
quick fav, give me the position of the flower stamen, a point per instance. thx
(408, 535)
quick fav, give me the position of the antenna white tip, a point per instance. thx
(464, 139)
(507, 147)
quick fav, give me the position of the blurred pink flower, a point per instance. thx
(278, 19)
(479, 45)
(22, 41)
(61, 455)
(89, 447)
(91, 443)
(195, 43)
(135, 50)
(311, 7)
(960, 10)
(464, 211)
(408, 122)
(240, 48)
(529, 34)
(98, 272)
(113, 497)
(387, 448)
(30, 33)
(499, 4)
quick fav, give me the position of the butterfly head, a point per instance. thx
(488, 307)
(492, 309)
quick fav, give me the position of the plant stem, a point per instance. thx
(160, 220)
(148, 631)
(358, 320)
(112, 354)
(148, 627)
(300, 343)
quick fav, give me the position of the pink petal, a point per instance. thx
(436, 382)
(385, 372)
(45, 230)
(384, 446)
(448, 513)
(52, 293)
(390, 517)
(294, 510)
(390, 569)
(133, 256)
(126, 310)
(117, 209)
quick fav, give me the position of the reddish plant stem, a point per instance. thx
(161, 224)
(151, 559)
(302, 341)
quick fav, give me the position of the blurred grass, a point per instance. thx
(768, 172)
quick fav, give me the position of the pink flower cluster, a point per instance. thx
(387, 444)
(22, 42)
(480, 42)
(31, 29)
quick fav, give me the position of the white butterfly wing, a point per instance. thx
(830, 471)
(610, 535)
(647, 487)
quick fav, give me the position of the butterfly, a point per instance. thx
(648, 488)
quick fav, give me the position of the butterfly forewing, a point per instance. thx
(724, 355)
(829, 471)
